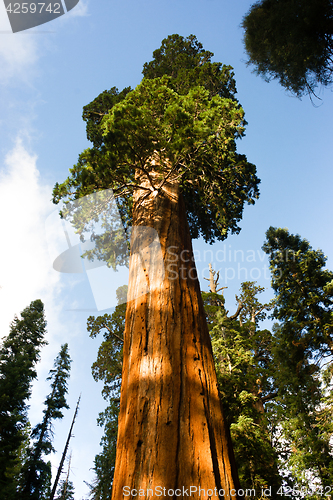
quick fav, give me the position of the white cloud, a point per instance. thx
(25, 270)
(18, 52)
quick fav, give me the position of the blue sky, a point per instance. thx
(47, 75)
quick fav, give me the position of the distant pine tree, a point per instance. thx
(19, 354)
(245, 369)
(303, 348)
(65, 491)
(36, 477)
(108, 368)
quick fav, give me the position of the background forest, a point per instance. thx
(276, 386)
(275, 380)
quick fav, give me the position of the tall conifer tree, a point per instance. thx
(36, 478)
(108, 368)
(167, 149)
(19, 354)
(303, 352)
(245, 369)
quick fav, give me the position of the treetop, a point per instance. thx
(189, 65)
(191, 139)
(180, 127)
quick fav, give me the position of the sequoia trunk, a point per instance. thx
(172, 434)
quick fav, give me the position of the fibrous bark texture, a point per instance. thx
(172, 435)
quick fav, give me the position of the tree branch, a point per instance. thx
(239, 308)
(269, 397)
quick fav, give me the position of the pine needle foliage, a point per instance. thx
(19, 354)
(190, 129)
(291, 41)
(244, 365)
(303, 351)
(108, 368)
(36, 476)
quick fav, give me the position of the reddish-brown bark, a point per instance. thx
(172, 431)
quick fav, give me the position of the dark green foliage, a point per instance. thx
(303, 351)
(99, 107)
(291, 40)
(108, 368)
(36, 476)
(183, 59)
(105, 461)
(23, 453)
(214, 303)
(19, 354)
(304, 291)
(108, 365)
(190, 130)
(189, 65)
(244, 366)
(193, 137)
(65, 491)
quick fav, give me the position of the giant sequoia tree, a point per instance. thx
(167, 150)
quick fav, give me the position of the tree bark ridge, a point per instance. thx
(172, 432)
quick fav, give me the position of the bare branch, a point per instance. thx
(239, 308)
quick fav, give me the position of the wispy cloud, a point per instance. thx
(25, 270)
(18, 53)
(80, 10)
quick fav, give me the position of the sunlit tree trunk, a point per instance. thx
(172, 432)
